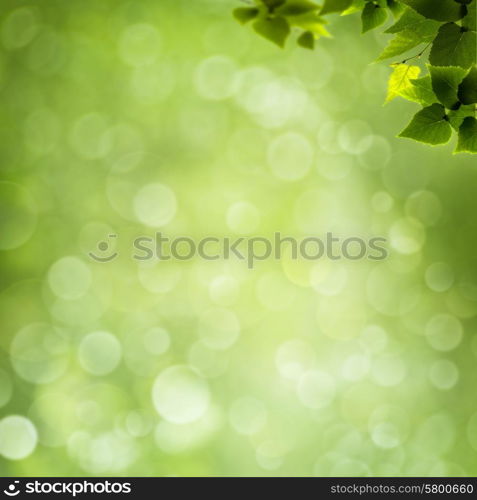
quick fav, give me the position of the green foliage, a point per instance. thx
(430, 125)
(306, 40)
(296, 8)
(440, 10)
(445, 83)
(245, 14)
(373, 15)
(400, 44)
(467, 92)
(356, 6)
(276, 29)
(443, 29)
(274, 20)
(412, 22)
(457, 116)
(395, 7)
(454, 47)
(467, 136)
(401, 80)
(470, 21)
(335, 6)
(420, 91)
(410, 30)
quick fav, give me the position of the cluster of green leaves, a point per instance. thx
(445, 29)
(274, 20)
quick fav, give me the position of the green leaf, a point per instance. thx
(272, 4)
(373, 16)
(457, 116)
(335, 6)
(440, 10)
(413, 22)
(356, 6)
(310, 22)
(395, 7)
(306, 40)
(400, 79)
(420, 91)
(296, 8)
(470, 20)
(411, 30)
(445, 83)
(245, 14)
(274, 29)
(467, 92)
(454, 47)
(467, 142)
(430, 125)
(400, 44)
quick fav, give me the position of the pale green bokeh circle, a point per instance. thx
(316, 389)
(443, 374)
(355, 367)
(139, 44)
(174, 438)
(89, 137)
(407, 236)
(69, 278)
(19, 28)
(18, 437)
(210, 363)
(382, 201)
(444, 332)
(180, 395)
(99, 353)
(224, 290)
(53, 427)
(439, 277)
(247, 415)
(243, 217)
(138, 423)
(385, 435)
(355, 137)
(378, 153)
(328, 278)
(270, 455)
(216, 78)
(389, 426)
(294, 358)
(153, 83)
(219, 328)
(424, 206)
(388, 370)
(290, 156)
(440, 424)
(274, 291)
(39, 353)
(155, 205)
(157, 340)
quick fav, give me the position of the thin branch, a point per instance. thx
(417, 56)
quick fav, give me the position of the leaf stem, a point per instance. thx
(417, 56)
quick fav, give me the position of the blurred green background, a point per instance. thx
(121, 117)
